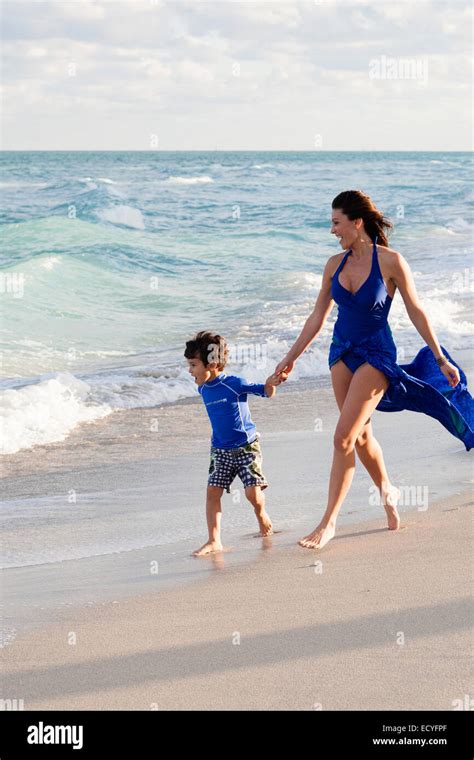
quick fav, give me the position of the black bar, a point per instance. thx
(135, 734)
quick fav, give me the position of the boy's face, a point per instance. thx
(200, 372)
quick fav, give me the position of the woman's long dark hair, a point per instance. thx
(357, 205)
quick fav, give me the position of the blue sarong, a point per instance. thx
(419, 386)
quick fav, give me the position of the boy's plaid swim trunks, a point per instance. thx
(246, 462)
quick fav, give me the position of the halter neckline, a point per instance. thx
(341, 265)
(374, 243)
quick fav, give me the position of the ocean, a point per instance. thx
(112, 260)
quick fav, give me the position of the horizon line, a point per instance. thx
(229, 150)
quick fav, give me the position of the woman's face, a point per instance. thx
(344, 229)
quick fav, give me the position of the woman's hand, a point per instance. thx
(451, 373)
(284, 368)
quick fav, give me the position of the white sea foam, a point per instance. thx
(91, 185)
(97, 179)
(140, 389)
(126, 215)
(45, 412)
(48, 262)
(188, 180)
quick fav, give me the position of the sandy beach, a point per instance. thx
(381, 621)
(377, 620)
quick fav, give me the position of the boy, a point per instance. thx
(235, 449)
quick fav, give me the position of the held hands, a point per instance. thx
(276, 379)
(451, 373)
(283, 369)
(272, 381)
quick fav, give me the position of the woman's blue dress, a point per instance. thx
(362, 334)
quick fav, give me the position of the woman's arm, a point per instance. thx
(315, 322)
(403, 278)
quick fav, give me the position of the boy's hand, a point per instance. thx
(272, 381)
(276, 379)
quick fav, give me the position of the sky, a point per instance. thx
(236, 75)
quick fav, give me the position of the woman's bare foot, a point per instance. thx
(390, 497)
(264, 522)
(208, 548)
(319, 537)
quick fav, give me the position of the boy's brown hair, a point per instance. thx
(209, 347)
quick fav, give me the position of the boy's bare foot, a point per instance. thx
(319, 537)
(265, 524)
(208, 548)
(390, 497)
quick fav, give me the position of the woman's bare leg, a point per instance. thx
(365, 391)
(368, 449)
(370, 454)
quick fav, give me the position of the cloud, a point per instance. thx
(277, 65)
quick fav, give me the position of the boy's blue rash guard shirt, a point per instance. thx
(225, 398)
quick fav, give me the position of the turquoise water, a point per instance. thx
(112, 260)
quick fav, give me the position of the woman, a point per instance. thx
(362, 356)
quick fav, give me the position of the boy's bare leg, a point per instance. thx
(213, 514)
(256, 497)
